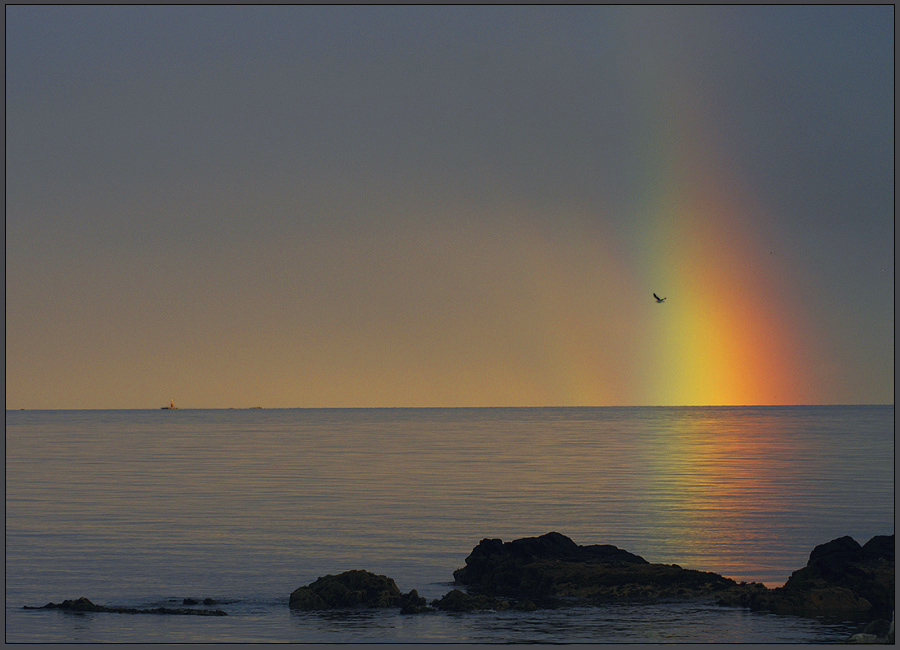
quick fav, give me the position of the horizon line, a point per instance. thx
(335, 408)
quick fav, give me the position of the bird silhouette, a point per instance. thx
(658, 299)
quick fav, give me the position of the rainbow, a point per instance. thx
(728, 333)
(570, 314)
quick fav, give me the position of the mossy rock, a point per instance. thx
(352, 589)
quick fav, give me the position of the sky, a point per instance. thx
(293, 206)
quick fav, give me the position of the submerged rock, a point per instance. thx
(354, 589)
(550, 569)
(83, 605)
(206, 601)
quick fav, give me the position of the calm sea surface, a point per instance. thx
(141, 508)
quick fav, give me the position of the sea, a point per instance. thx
(144, 508)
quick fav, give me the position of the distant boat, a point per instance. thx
(170, 406)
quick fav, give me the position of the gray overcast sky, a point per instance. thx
(415, 206)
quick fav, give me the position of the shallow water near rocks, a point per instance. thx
(260, 620)
(142, 508)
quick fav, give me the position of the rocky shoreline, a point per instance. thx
(841, 578)
(84, 605)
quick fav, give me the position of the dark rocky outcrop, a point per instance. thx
(413, 603)
(206, 601)
(84, 605)
(459, 601)
(552, 569)
(841, 577)
(354, 589)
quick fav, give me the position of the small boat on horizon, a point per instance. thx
(170, 406)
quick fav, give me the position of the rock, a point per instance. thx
(77, 605)
(551, 567)
(880, 546)
(878, 631)
(841, 577)
(458, 601)
(837, 550)
(354, 589)
(84, 605)
(525, 606)
(488, 562)
(878, 627)
(206, 601)
(412, 603)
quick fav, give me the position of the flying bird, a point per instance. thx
(658, 299)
